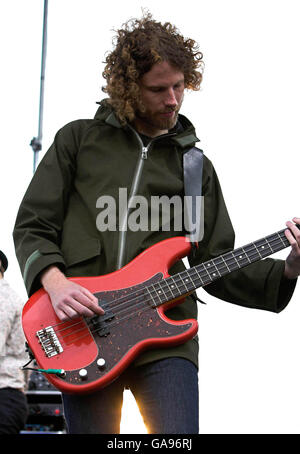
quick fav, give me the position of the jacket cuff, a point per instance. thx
(280, 290)
(35, 264)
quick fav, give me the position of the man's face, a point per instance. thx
(161, 91)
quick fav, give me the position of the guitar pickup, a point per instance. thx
(49, 341)
(100, 323)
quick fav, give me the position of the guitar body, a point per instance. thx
(93, 353)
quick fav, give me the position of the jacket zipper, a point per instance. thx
(133, 192)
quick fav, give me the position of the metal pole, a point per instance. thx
(36, 142)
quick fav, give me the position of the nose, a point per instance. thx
(171, 100)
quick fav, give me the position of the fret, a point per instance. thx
(247, 253)
(241, 257)
(203, 279)
(158, 293)
(270, 246)
(169, 292)
(185, 280)
(205, 273)
(276, 241)
(230, 261)
(235, 260)
(256, 251)
(178, 282)
(173, 286)
(154, 303)
(161, 290)
(217, 262)
(225, 263)
(174, 289)
(264, 247)
(213, 275)
(189, 282)
(211, 270)
(199, 277)
(170, 289)
(281, 239)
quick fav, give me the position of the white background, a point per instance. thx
(247, 116)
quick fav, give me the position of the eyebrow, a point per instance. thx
(181, 81)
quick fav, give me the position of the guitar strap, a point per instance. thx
(193, 209)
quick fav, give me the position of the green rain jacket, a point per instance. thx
(57, 219)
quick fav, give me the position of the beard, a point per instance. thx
(156, 119)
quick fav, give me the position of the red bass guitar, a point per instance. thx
(85, 354)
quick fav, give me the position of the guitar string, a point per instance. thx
(128, 307)
(132, 314)
(139, 292)
(125, 300)
(106, 305)
(90, 332)
(160, 282)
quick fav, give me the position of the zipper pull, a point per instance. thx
(144, 153)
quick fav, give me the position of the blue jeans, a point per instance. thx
(166, 392)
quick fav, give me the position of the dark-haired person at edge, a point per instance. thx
(56, 235)
(13, 403)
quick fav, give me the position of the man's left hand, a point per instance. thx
(292, 263)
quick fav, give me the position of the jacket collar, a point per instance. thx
(184, 130)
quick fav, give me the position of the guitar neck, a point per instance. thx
(185, 282)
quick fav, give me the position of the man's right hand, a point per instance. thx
(69, 300)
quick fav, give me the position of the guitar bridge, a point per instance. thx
(49, 341)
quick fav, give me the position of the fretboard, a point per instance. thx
(198, 276)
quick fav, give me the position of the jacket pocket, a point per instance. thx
(83, 251)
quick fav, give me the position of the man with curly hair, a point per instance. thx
(137, 141)
(143, 45)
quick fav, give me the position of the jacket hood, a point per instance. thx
(184, 129)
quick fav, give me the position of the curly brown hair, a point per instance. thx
(139, 45)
